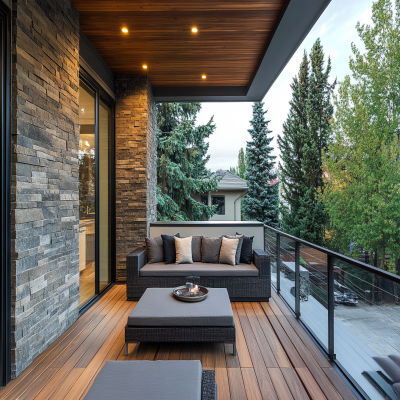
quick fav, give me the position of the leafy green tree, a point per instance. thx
(262, 196)
(305, 135)
(362, 165)
(181, 163)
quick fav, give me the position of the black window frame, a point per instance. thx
(212, 203)
(5, 168)
(102, 95)
(204, 199)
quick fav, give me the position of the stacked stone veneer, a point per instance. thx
(45, 138)
(136, 164)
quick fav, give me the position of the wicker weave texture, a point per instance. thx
(208, 385)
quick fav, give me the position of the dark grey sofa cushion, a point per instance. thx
(158, 307)
(239, 247)
(390, 367)
(198, 269)
(196, 248)
(247, 249)
(395, 358)
(396, 389)
(169, 248)
(147, 380)
(154, 250)
(210, 248)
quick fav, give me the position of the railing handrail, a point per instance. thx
(352, 261)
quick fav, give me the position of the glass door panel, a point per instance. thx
(104, 195)
(87, 193)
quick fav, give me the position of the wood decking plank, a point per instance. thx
(221, 378)
(163, 352)
(251, 384)
(266, 387)
(339, 384)
(242, 351)
(219, 355)
(310, 384)
(294, 384)
(271, 338)
(208, 356)
(38, 384)
(281, 388)
(231, 360)
(236, 385)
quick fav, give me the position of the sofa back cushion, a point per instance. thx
(154, 250)
(196, 248)
(239, 247)
(210, 248)
(228, 251)
(169, 248)
(183, 248)
(247, 249)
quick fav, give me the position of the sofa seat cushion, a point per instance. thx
(198, 269)
(147, 380)
(158, 307)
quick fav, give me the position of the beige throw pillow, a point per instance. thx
(183, 248)
(228, 251)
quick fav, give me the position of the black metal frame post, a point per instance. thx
(278, 263)
(331, 309)
(297, 280)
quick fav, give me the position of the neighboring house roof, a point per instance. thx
(230, 181)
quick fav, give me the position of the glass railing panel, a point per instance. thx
(270, 248)
(367, 325)
(314, 292)
(287, 275)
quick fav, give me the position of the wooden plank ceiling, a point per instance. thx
(227, 48)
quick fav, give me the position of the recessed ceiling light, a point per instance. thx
(194, 30)
(203, 77)
(125, 30)
(145, 66)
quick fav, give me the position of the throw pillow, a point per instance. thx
(183, 248)
(247, 249)
(239, 247)
(196, 248)
(210, 248)
(154, 250)
(227, 254)
(169, 248)
(395, 358)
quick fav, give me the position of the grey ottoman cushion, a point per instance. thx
(158, 307)
(210, 248)
(147, 380)
(198, 269)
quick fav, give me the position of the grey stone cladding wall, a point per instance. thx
(45, 138)
(136, 163)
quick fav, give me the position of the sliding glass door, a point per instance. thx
(95, 194)
(5, 171)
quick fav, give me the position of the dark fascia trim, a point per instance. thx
(91, 61)
(294, 25)
(239, 224)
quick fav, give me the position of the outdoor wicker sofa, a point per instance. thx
(244, 282)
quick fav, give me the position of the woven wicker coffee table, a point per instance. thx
(159, 317)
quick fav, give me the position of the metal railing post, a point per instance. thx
(297, 280)
(331, 309)
(278, 263)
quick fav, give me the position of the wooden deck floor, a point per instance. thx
(276, 358)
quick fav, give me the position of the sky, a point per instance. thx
(337, 30)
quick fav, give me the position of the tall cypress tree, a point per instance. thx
(262, 196)
(240, 169)
(306, 133)
(181, 163)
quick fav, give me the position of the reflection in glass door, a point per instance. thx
(87, 194)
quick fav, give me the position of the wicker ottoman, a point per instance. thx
(159, 317)
(153, 380)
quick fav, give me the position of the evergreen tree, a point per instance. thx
(262, 196)
(306, 134)
(363, 167)
(240, 169)
(181, 164)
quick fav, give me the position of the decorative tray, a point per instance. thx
(182, 294)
